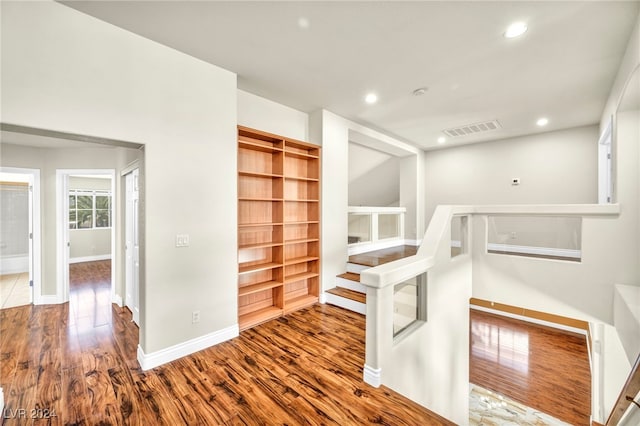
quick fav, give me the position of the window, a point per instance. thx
(89, 209)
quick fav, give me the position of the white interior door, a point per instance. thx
(31, 248)
(132, 250)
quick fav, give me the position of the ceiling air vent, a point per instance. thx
(470, 129)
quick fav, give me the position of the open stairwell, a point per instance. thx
(349, 293)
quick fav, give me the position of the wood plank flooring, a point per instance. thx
(349, 294)
(380, 257)
(75, 364)
(540, 367)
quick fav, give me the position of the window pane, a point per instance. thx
(85, 219)
(103, 202)
(103, 219)
(72, 201)
(72, 219)
(85, 202)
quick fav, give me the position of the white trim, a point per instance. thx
(372, 376)
(135, 164)
(544, 251)
(90, 258)
(457, 243)
(117, 299)
(48, 299)
(412, 242)
(368, 210)
(531, 320)
(14, 264)
(163, 356)
(345, 303)
(36, 221)
(322, 299)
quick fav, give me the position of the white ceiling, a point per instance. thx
(563, 67)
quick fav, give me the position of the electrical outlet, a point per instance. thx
(515, 181)
(195, 317)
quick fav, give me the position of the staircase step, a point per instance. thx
(355, 268)
(342, 297)
(350, 276)
(356, 296)
(350, 281)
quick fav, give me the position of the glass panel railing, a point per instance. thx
(388, 226)
(459, 235)
(409, 303)
(359, 228)
(550, 237)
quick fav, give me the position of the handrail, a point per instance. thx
(395, 272)
(629, 391)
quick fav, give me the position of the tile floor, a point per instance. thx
(14, 290)
(488, 408)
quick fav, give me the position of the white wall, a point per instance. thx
(66, 71)
(263, 114)
(554, 168)
(378, 187)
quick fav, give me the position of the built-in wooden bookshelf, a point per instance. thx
(278, 225)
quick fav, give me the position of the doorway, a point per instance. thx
(19, 236)
(86, 200)
(132, 244)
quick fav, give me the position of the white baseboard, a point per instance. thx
(543, 251)
(90, 258)
(322, 299)
(47, 299)
(14, 265)
(349, 304)
(163, 356)
(117, 299)
(372, 376)
(412, 242)
(378, 245)
(529, 319)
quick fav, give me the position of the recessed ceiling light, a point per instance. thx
(371, 98)
(516, 29)
(441, 140)
(542, 121)
(303, 22)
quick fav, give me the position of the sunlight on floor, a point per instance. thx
(14, 290)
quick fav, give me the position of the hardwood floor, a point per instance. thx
(540, 367)
(78, 361)
(380, 257)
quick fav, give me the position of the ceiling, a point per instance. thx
(311, 55)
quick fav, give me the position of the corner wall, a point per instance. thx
(64, 70)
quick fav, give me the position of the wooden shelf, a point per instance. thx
(259, 245)
(301, 240)
(255, 288)
(257, 317)
(247, 225)
(301, 155)
(251, 144)
(278, 185)
(299, 302)
(302, 178)
(258, 174)
(300, 277)
(259, 199)
(257, 267)
(300, 260)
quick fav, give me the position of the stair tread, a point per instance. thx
(380, 257)
(349, 294)
(350, 276)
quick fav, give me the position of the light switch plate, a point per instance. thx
(182, 240)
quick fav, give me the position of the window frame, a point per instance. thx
(93, 193)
